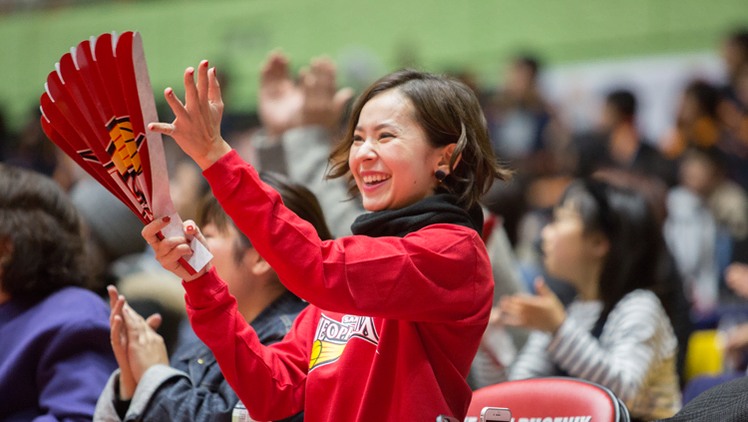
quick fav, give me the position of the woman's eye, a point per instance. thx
(386, 135)
(357, 139)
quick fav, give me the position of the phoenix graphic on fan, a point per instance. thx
(123, 149)
(332, 336)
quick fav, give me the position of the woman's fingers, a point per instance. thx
(192, 230)
(170, 259)
(162, 128)
(175, 104)
(191, 97)
(151, 230)
(202, 86)
(214, 89)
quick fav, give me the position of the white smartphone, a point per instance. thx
(495, 414)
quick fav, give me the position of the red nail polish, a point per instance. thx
(190, 228)
(166, 219)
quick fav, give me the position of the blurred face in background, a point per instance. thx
(520, 80)
(733, 57)
(568, 249)
(232, 264)
(609, 118)
(689, 110)
(698, 174)
(391, 159)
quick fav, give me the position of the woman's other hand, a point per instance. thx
(171, 249)
(196, 127)
(540, 312)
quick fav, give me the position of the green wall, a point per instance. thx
(441, 34)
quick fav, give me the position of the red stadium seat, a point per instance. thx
(555, 399)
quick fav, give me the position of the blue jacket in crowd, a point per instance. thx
(55, 357)
(193, 388)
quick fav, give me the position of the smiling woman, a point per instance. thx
(398, 309)
(434, 123)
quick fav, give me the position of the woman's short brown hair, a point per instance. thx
(449, 112)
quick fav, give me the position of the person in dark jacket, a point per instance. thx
(192, 387)
(619, 144)
(54, 347)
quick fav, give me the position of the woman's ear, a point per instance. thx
(600, 245)
(258, 265)
(446, 156)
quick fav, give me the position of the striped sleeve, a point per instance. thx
(632, 343)
(533, 361)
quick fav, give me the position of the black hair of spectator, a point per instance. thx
(295, 197)
(706, 95)
(623, 102)
(712, 154)
(43, 234)
(529, 61)
(625, 218)
(669, 287)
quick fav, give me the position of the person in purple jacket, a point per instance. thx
(55, 353)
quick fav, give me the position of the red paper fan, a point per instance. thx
(95, 107)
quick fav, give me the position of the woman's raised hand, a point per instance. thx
(169, 250)
(196, 128)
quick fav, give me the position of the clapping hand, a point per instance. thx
(543, 312)
(145, 347)
(119, 337)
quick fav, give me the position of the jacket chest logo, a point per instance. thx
(332, 336)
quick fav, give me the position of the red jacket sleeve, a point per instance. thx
(280, 368)
(440, 273)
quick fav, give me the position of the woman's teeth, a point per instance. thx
(375, 178)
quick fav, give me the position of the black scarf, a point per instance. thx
(436, 209)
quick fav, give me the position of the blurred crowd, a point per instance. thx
(695, 181)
